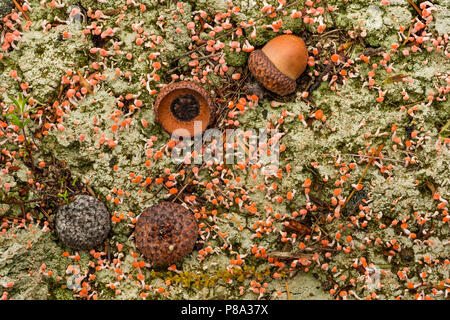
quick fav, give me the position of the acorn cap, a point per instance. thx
(279, 63)
(166, 233)
(83, 224)
(180, 104)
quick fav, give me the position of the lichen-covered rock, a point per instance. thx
(84, 223)
(109, 139)
(442, 17)
(42, 59)
(166, 232)
(22, 251)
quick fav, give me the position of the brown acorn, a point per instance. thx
(166, 233)
(179, 105)
(279, 63)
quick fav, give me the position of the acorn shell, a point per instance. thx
(166, 233)
(166, 118)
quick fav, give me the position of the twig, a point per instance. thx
(286, 255)
(415, 7)
(154, 195)
(19, 7)
(287, 291)
(319, 79)
(371, 51)
(444, 129)
(220, 114)
(205, 222)
(330, 13)
(84, 83)
(361, 156)
(188, 179)
(49, 219)
(89, 189)
(182, 189)
(375, 154)
(162, 187)
(409, 33)
(17, 201)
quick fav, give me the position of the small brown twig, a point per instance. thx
(409, 33)
(29, 148)
(286, 255)
(205, 222)
(19, 7)
(319, 79)
(369, 162)
(49, 219)
(371, 51)
(84, 83)
(361, 156)
(415, 7)
(182, 189)
(162, 187)
(154, 194)
(91, 192)
(189, 180)
(287, 291)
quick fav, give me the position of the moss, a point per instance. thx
(263, 36)
(60, 293)
(235, 59)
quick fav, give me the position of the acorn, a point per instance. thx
(166, 232)
(180, 104)
(279, 63)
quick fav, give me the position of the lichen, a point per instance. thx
(106, 134)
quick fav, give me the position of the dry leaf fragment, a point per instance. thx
(298, 227)
(396, 78)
